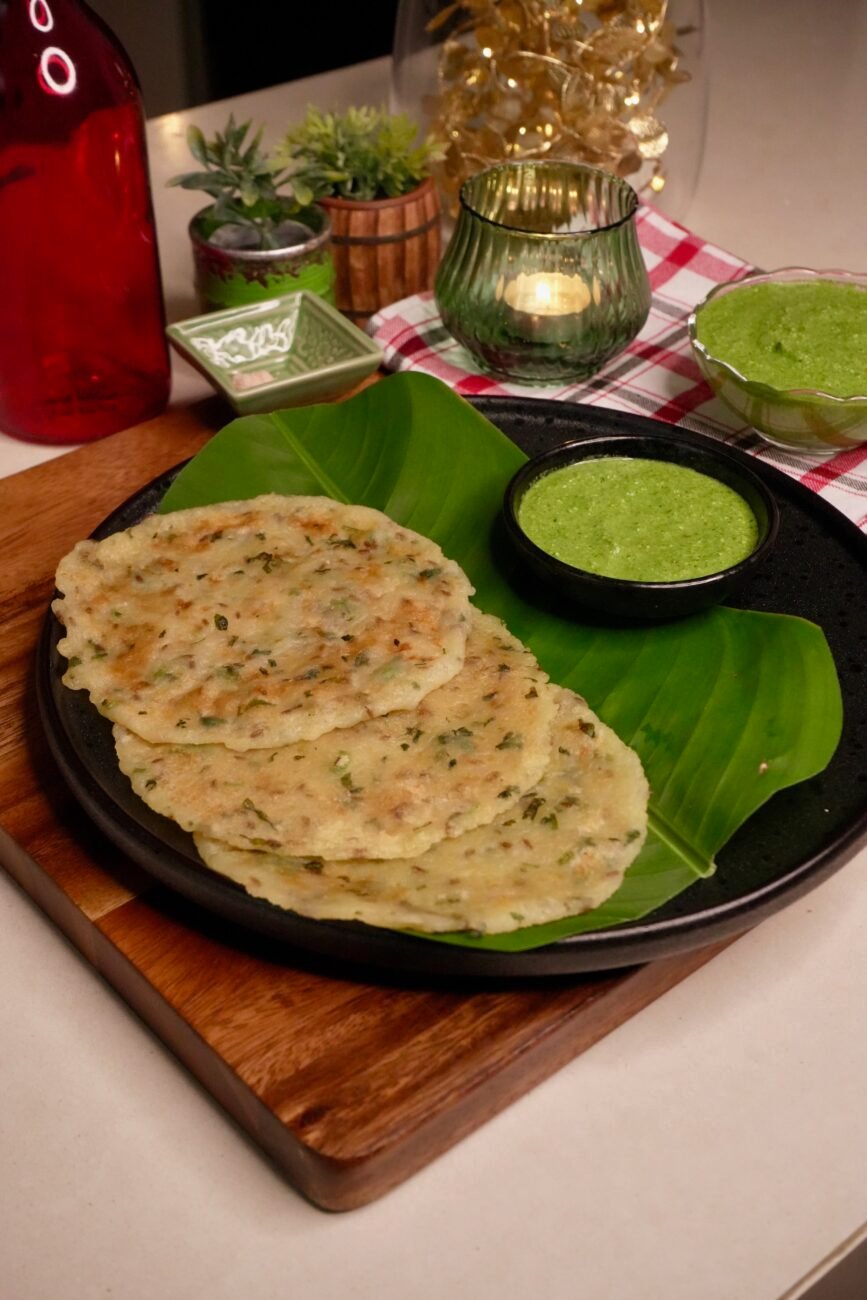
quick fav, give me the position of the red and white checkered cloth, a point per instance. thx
(656, 375)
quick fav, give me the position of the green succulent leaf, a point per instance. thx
(252, 155)
(249, 193)
(363, 154)
(196, 144)
(724, 709)
(247, 184)
(303, 193)
(207, 181)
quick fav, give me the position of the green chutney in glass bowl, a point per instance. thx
(787, 352)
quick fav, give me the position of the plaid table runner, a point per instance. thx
(655, 376)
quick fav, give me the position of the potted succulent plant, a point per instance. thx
(367, 170)
(263, 234)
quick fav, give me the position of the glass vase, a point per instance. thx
(543, 280)
(621, 86)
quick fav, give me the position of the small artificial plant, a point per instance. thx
(362, 154)
(245, 183)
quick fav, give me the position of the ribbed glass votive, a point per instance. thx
(543, 280)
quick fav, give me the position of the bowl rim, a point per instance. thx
(319, 241)
(794, 275)
(535, 468)
(550, 164)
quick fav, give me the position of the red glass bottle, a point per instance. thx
(82, 348)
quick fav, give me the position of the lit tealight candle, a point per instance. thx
(548, 294)
(544, 304)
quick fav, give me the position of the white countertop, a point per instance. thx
(713, 1148)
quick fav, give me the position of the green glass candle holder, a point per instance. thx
(543, 279)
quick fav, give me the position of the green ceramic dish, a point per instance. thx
(797, 419)
(283, 352)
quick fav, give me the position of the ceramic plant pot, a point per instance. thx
(228, 275)
(385, 249)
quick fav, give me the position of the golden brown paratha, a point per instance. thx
(385, 788)
(561, 850)
(259, 623)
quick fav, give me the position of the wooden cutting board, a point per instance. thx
(350, 1082)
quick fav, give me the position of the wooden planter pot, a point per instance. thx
(383, 250)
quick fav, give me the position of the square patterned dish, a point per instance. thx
(283, 352)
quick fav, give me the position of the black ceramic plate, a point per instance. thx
(798, 838)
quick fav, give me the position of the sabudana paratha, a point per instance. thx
(562, 850)
(260, 622)
(385, 788)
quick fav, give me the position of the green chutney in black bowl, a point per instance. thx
(639, 527)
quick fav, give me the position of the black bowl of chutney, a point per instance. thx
(610, 524)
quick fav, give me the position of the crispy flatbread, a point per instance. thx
(259, 623)
(562, 850)
(385, 788)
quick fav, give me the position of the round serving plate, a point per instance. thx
(818, 572)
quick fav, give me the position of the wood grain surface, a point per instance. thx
(349, 1082)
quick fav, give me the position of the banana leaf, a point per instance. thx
(724, 708)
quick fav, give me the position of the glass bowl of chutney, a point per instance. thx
(638, 527)
(786, 351)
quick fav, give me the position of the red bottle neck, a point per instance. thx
(58, 64)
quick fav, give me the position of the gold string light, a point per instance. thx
(581, 80)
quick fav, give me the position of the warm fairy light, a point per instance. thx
(555, 79)
(657, 183)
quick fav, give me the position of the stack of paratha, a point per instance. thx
(305, 686)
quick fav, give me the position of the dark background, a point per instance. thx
(327, 36)
(190, 52)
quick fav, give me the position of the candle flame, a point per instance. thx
(553, 294)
